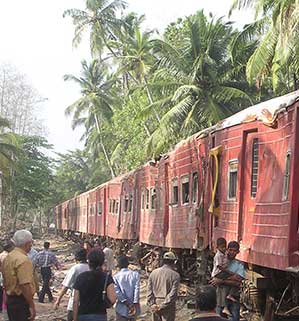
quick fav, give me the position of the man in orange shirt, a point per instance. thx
(18, 279)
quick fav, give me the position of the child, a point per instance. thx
(220, 258)
(220, 271)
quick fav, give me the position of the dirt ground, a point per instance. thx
(64, 250)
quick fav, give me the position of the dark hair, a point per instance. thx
(88, 242)
(46, 245)
(233, 245)
(221, 241)
(206, 298)
(96, 259)
(81, 255)
(123, 262)
(8, 245)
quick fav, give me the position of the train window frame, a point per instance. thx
(100, 208)
(117, 207)
(233, 168)
(185, 193)
(113, 206)
(110, 205)
(126, 204)
(154, 201)
(175, 192)
(196, 189)
(254, 167)
(91, 212)
(130, 209)
(147, 199)
(142, 200)
(286, 177)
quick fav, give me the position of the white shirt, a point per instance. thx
(109, 258)
(70, 279)
(220, 259)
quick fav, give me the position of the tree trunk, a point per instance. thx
(103, 147)
(150, 99)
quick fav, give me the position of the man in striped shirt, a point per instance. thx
(46, 260)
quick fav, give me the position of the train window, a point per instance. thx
(194, 187)
(116, 207)
(185, 189)
(175, 192)
(286, 177)
(232, 179)
(91, 210)
(130, 203)
(100, 210)
(254, 166)
(110, 206)
(153, 199)
(113, 206)
(126, 204)
(142, 200)
(147, 198)
(64, 213)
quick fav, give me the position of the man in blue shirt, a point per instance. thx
(237, 270)
(127, 288)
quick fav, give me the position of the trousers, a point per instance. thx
(167, 314)
(92, 317)
(17, 308)
(46, 277)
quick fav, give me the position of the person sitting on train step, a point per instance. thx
(237, 270)
(69, 281)
(163, 286)
(127, 288)
(45, 260)
(206, 305)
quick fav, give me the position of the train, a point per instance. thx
(237, 179)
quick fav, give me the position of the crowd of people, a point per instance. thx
(95, 286)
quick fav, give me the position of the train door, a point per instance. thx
(248, 186)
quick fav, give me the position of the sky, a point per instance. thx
(37, 40)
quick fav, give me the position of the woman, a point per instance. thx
(89, 286)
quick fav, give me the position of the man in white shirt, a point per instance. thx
(69, 281)
(109, 259)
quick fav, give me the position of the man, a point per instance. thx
(69, 281)
(18, 279)
(45, 260)
(206, 304)
(127, 288)
(238, 274)
(163, 285)
(8, 246)
(32, 254)
(109, 259)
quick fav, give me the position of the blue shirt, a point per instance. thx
(237, 267)
(127, 288)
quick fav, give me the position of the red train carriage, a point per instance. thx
(113, 224)
(151, 216)
(100, 213)
(92, 211)
(64, 216)
(72, 217)
(83, 205)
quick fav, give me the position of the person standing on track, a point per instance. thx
(163, 286)
(70, 279)
(127, 288)
(18, 279)
(45, 260)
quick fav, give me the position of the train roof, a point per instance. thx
(265, 112)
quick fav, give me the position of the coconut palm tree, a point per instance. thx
(276, 24)
(195, 79)
(95, 106)
(100, 20)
